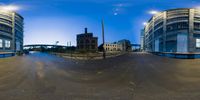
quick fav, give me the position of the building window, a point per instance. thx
(93, 41)
(198, 43)
(81, 41)
(87, 41)
(1, 43)
(7, 43)
(93, 46)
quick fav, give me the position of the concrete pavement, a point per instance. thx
(134, 76)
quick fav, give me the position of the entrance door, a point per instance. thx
(182, 41)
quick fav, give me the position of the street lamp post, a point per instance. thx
(104, 53)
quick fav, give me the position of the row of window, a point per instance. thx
(87, 41)
(197, 41)
(6, 21)
(85, 35)
(18, 18)
(113, 49)
(5, 28)
(7, 43)
(111, 45)
(177, 26)
(177, 19)
(197, 12)
(20, 28)
(86, 47)
(5, 16)
(158, 32)
(196, 18)
(158, 25)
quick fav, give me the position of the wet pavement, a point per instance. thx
(134, 76)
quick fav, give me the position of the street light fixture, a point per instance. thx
(9, 8)
(145, 23)
(153, 12)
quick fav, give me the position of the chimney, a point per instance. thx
(86, 31)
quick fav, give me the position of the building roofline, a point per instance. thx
(84, 33)
(176, 9)
(16, 14)
(19, 15)
(166, 11)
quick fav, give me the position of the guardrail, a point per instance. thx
(4, 55)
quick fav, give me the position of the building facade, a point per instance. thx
(112, 47)
(11, 31)
(174, 30)
(86, 42)
(126, 44)
(142, 40)
(121, 45)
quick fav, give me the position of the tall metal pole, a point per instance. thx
(104, 53)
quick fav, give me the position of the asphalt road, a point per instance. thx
(134, 76)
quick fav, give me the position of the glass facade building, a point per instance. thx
(11, 31)
(174, 30)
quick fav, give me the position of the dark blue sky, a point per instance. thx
(47, 21)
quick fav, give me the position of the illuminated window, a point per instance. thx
(1, 43)
(7, 43)
(198, 43)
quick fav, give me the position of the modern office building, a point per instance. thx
(11, 31)
(86, 42)
(174, 30)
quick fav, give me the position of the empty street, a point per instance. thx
(134, 76)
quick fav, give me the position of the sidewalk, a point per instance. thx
(87, 56)
(6, 54)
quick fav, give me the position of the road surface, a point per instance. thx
(134, 76)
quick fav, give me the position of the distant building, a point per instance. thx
(112, 47)
(142, 40)
(136, 47)
(126, 45)
(122, 45)
(86, 42)
(11, 31)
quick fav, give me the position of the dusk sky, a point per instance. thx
(47, 21)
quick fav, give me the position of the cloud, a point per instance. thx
(119, 8)
(122, 5)
(115, 14)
